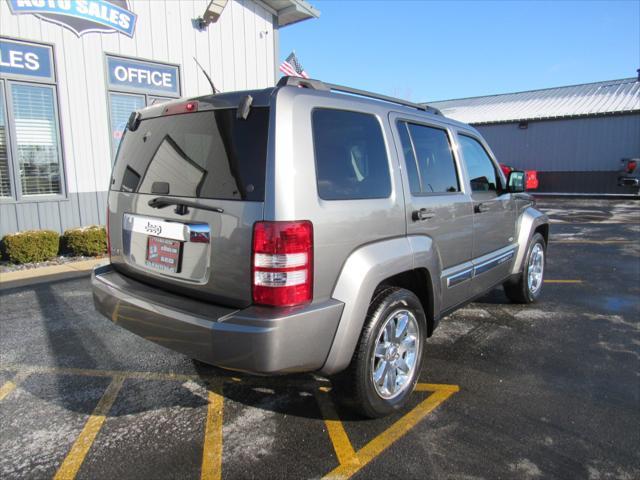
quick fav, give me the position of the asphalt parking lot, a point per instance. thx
(550, 390)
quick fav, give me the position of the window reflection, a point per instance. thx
(171, 163)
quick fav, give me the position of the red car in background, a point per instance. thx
(531, 177)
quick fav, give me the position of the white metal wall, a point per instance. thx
(238, 51)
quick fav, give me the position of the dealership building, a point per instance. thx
(574, 136)
(72, 71)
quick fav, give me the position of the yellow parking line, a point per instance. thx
(436, 387)
(71, 464)
(341, 443)
(350, 461)
(562, 281)
(212, 450)
(11, 385)
(380, 443)
(398, 429)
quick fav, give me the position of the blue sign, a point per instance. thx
(81, 16)
(26, 60)
(139, 76)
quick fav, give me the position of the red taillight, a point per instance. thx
(506, 169)
(177, 108)
(282, 273)
(531, 180)
(108, 238)
(631, 166)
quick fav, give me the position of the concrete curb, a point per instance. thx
(52, 273)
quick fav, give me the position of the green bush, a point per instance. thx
(31, 246)
(88, 241)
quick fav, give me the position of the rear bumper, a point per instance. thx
(259, 340)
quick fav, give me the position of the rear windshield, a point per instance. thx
(200, 155)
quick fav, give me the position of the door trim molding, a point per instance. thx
(479, 265)
(456, 278)
(494, 262)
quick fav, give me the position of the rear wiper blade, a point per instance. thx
(181, 205)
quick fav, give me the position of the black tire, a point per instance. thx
(518, 289)
(355, 386)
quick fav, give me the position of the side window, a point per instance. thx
(482, 173)
(351, 159)
(409, 158)
(430, 164)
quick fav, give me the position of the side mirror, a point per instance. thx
(515, 181)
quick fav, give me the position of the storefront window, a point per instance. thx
(5, 181)
(37, 140)
(31, 164)
(133, 84)
(121, 105)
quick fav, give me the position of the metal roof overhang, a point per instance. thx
(288, 12)
(610, 97)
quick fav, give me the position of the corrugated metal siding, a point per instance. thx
(84, 208)
(238, 52)
(578, 144)
(614, 96)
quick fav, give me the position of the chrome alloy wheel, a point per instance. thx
(396, 354)
(536, 268)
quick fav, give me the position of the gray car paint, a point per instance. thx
(357, 245)
(493, 226)
(256, 339)
(451, 227)
(218, 271)
(529, 220)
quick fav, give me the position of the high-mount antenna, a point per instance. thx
(213, 87)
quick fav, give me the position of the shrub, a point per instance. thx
(87, 241)
(31, 246)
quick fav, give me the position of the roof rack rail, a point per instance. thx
(327, 87)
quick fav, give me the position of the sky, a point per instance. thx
(428, 50)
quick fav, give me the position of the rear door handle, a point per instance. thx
(481, 207)
(422, 214)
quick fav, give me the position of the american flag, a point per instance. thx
(291, 67)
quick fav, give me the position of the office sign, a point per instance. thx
(81, 16)
(24, 60)
(131, 75)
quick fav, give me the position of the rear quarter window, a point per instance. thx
(350, 155)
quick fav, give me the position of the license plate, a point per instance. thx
(163, 254)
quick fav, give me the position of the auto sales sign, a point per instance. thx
(81, 16)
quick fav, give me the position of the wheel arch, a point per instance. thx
(418, 281)
(402, 261)
(531, 221)
(543, 230)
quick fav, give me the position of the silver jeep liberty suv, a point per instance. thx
(310, 227)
